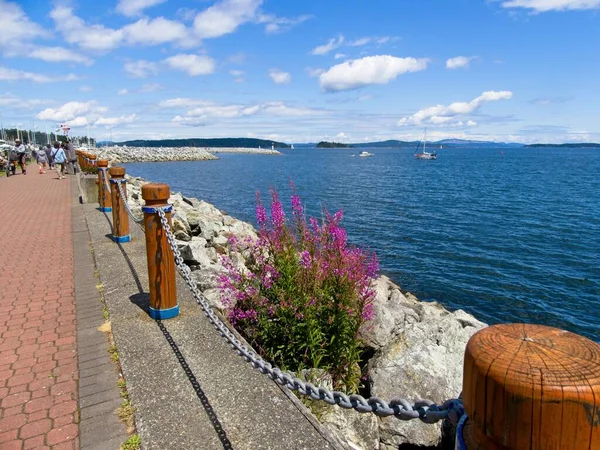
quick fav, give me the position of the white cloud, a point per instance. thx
(15, 26)
(193, 65)
(86, 88)
(339, 56)
(552, 5)
(159, 31)
(96, 37)
(58, 54)
(135, 7)
(360, 42)
(459, 62)
(280, 77)
(19, 103)
(141, 68)
(446, 115)
(379, 69)
(7, 74)
(203, 111)
(331, 45)
(276, 24)
(471, 123)
(111, 121)
(122, 92)
(76, 31)
(224, 17)
(150, 87)
(70, 111)
(78, 122)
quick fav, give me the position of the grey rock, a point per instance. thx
(360, 431)
(424, 360)
(195, 252)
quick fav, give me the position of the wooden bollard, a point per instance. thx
(530, 387)
(119, 213)
(161, 263)
(104, 199)
(92, 160)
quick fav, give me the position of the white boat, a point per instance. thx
(365, 154)
(292, 147)
(272, 146)
(424, 154)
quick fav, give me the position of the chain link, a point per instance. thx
(425, 410)
(127, 207)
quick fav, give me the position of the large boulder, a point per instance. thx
(181, 227)
(360, 431)
(424, 360)
(194, 251)
(392, 312)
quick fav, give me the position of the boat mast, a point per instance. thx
(424, 139)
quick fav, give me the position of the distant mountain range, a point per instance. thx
(393, 143)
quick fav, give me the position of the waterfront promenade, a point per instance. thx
(58, 385)
(42, 404)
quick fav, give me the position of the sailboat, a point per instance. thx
(292, 147)
(424, 154)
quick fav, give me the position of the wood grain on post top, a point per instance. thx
(532, 387)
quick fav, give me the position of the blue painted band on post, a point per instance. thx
(117, 180)
(105, 209)
(460, 439)
(159, 314)
(153, 209)
(121, 238)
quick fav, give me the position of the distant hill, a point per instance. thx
(572, 145)
(200, 142)
(450, 143)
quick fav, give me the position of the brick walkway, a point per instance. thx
(38, 359)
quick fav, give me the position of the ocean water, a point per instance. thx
(509, 235)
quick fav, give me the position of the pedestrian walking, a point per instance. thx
(42, 160)
(71, 157)
(59, 157)
(48, 151)
(21, 152)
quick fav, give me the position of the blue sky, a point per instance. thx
(351, 71)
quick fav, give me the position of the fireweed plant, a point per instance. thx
(305, 294)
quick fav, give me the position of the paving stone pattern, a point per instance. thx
(38, 357)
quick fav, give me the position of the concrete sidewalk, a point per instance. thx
(189, 389)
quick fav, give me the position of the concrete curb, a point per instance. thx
(99, 395)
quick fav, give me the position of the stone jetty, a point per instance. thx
(118, 154)
(417, 347)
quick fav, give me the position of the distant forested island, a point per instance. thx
(571, 145)
(325, 144)
(200, 142)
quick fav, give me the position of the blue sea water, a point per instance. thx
(509, 235)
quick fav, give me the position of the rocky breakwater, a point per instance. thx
(119, 154)
(416, 348)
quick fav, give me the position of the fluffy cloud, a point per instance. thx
(7, 74)
(379, 69)
(193, 65)
(58, 54)
(101, 39)
(203, 112)
(70, 111)
(141, 68)
(224, 17)
(112, 121)
(16, 26)
(552, 5)
(339, 56)
(158, 31)
(280, 77)
(447, 115)
(331, 45)
(135, 7)
(459, 62)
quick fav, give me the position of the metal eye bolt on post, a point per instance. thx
(161, 261)
(104, 199)
(118, 194)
